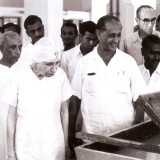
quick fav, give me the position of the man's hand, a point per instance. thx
(74, 107)
(137, 121)
(139, 113)
(73, 142)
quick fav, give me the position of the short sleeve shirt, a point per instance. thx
(132, 46)
(69, 61)
(107, 92)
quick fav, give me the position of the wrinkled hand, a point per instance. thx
(137, 121)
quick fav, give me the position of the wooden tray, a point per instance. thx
(144, 136)
(151, 105)
(140, 142)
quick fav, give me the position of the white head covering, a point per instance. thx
(44, 50)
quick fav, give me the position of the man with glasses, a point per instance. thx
(146, 19)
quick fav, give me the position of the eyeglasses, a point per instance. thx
(147, 20)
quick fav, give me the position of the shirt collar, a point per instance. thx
(27, 44)
(137, 38)
(158, 69)
(77, 50)
(114, 58)
(144, 70)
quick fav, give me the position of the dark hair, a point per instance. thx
(31, 19)
(8, 25)
(149, 40)
(87, 26)
(140, 8)
(158, 18)
(71, 24)
(103, 20)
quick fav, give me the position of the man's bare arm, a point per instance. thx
(74, 107)
(64, 119)
(139, 113)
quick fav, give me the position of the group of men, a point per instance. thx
(146, 19)
(98, 82)
(29, 127)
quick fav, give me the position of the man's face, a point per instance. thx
(48, 69)
(11, 50)
(152, 56)
(146, 20)
(109, 38)
(89, 41)
(68, 35)
(35, 31)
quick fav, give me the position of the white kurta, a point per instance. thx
(4, 74)
(107, 92)
(39, 133)
(69, 61)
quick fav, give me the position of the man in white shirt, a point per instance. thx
(106, 83)
(146, 19)
(151, 67)
(151, 70)
(10, 46)
(88, 40)
(35, 30)
(69, 33)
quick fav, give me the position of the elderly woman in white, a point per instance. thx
(38, 113)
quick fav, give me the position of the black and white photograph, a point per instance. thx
(79, 80)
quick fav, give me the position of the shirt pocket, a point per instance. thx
(122, 83)
(94, 84)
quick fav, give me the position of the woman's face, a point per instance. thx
(48, 69)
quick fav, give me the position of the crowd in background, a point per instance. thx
(90, 85)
